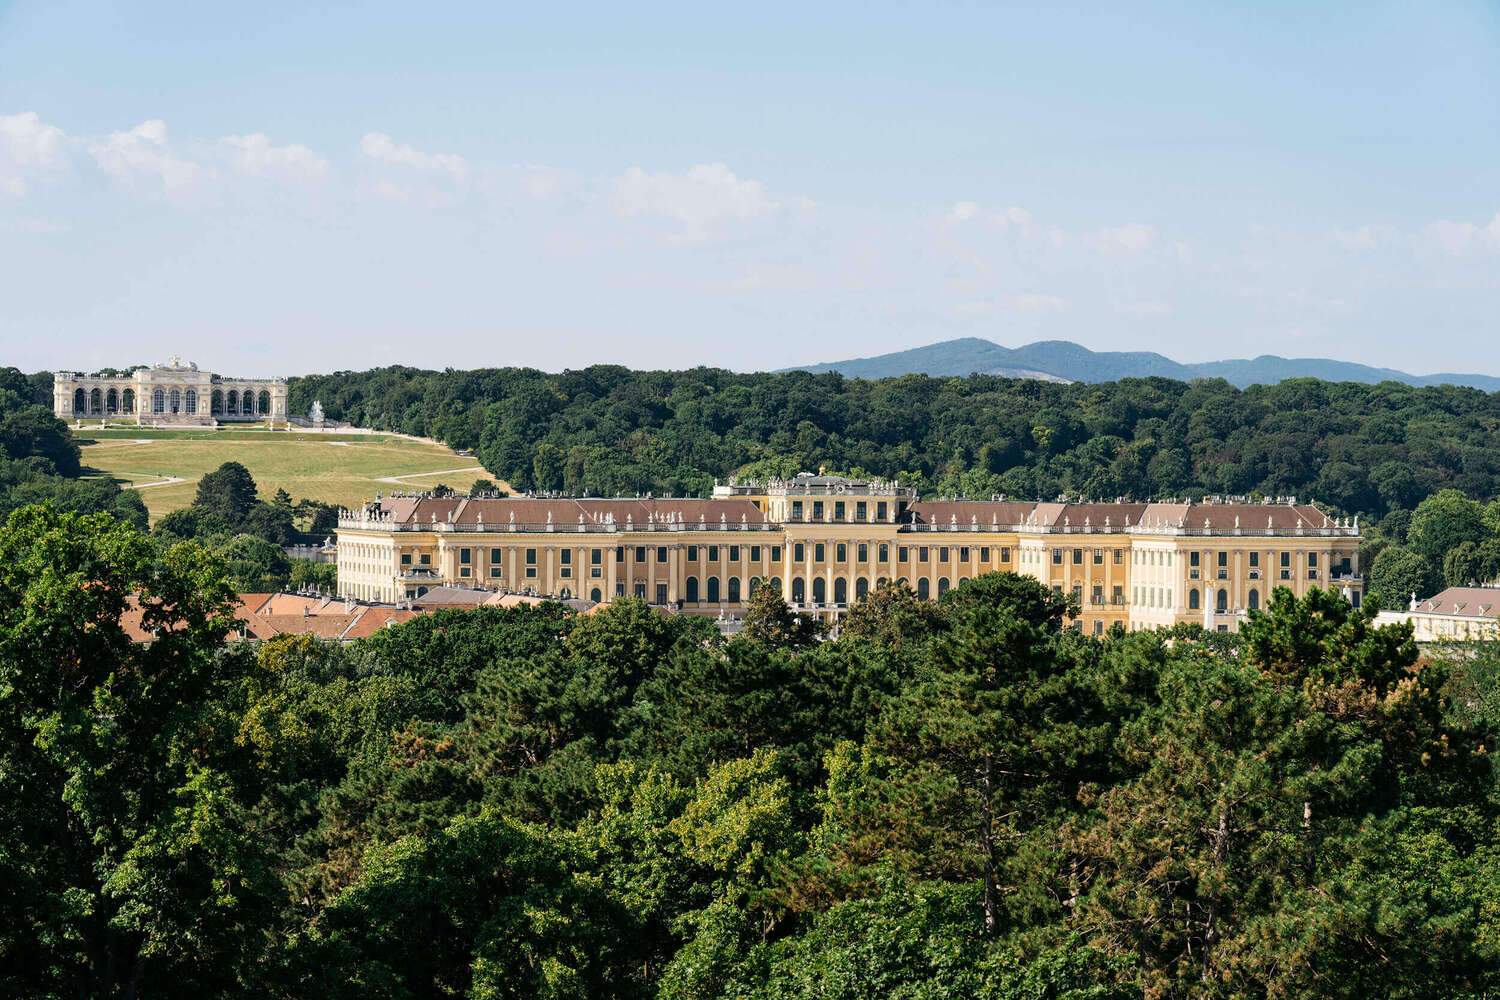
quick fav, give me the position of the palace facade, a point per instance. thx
(175, 393)
(826, 542)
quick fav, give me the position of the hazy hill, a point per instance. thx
(1061, 359)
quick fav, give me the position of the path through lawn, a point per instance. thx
(346, 472)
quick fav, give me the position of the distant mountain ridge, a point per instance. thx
(1064, 360)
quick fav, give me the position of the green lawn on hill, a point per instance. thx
(338, 469)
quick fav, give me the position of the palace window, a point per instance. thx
(880, 511)
(1119, 556)
(1254, 559)
(921, 553)
(1005, 553)
(713, 553)
(860, 511)
(818, 552)
(838, 510)
(661, 553)
(755, 553)
(796, 510)
(885, 552)
(465, 555)
(942, 553)
(817, 510)
(864, 552)
(406, 558)
(1098, 557)
(902, 553)
(799, 552)
(640, 553)
(776, 553)
(842, 552)
(1312, 560)
(1286, 559)
(596, 556)
(692, 553)
(1057, 557)
(1077, 557)
(734, 553)
(963, 553)
(566, 556)
(1193, 559)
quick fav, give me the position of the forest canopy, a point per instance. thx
(953, 799)
(1352, 447)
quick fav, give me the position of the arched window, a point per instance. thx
(775, 584)
(1253, 601)
(158, 401)
(799, 590)
(734, 590)
(96, 401)
(80, 401)
(942, 586)
(232, 403)
(754, 585)
(174, 400)
(924, 589)
(820, 591)
(1193, 599)
(596, 596)
(692, 590)
(841, 591)
(190, 401)
(713, 590)
(264, 401)
(216, 402)
(1222, 604)
(861, 589)
(112, 401)
(127, 400)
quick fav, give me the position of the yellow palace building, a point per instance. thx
(825, 542)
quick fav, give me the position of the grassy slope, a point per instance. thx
(341, 470)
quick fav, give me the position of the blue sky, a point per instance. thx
(267, 188)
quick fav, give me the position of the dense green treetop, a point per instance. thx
(963, 798)
(606, 429)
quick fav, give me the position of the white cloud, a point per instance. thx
(1131, 238)
(706, 195)
(541, 183)
(1146, 308)
(143, 150)
(1458, 237)
(1368, 237)
(254, 155)
(1012, 217)
(1022, 303)
(963, 211)
(1034, 303)
(27, 145)
(380, 147)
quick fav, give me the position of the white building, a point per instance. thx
(1456, 614)
(174, 393)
